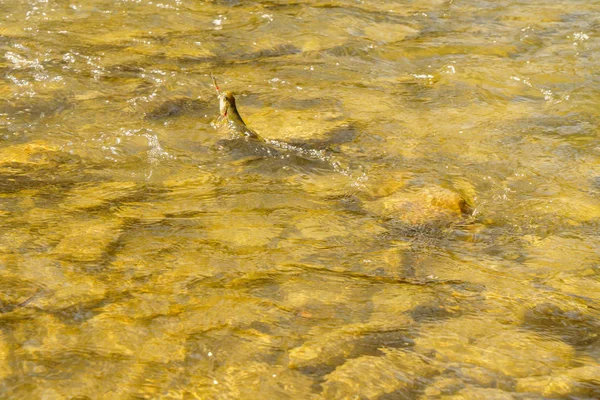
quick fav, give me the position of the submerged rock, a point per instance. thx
(482, 377)
(494, 346)
(333, 348)
(421, 206)
(241, 380)
(478, 393)
(178, 106)
(242, 230)
(443, 385)
(5, 369)
(547, 386)
(397, 372)
(571, 325)
(581, 381)
(36, 152)
(87, 239)
(34, 107)
(97, 195)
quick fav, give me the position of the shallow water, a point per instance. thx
(444, 243)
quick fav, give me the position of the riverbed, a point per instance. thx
(445, 244)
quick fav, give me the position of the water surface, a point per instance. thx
(441, 243)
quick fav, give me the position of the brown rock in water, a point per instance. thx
(421, 206)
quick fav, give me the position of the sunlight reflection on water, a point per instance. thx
(421, 220)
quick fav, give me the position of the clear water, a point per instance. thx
(446, 246)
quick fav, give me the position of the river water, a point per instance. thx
(441, 241)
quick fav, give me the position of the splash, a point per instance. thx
(156, 152)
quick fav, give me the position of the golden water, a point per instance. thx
(142, 258)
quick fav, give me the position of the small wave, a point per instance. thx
(323, 156)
